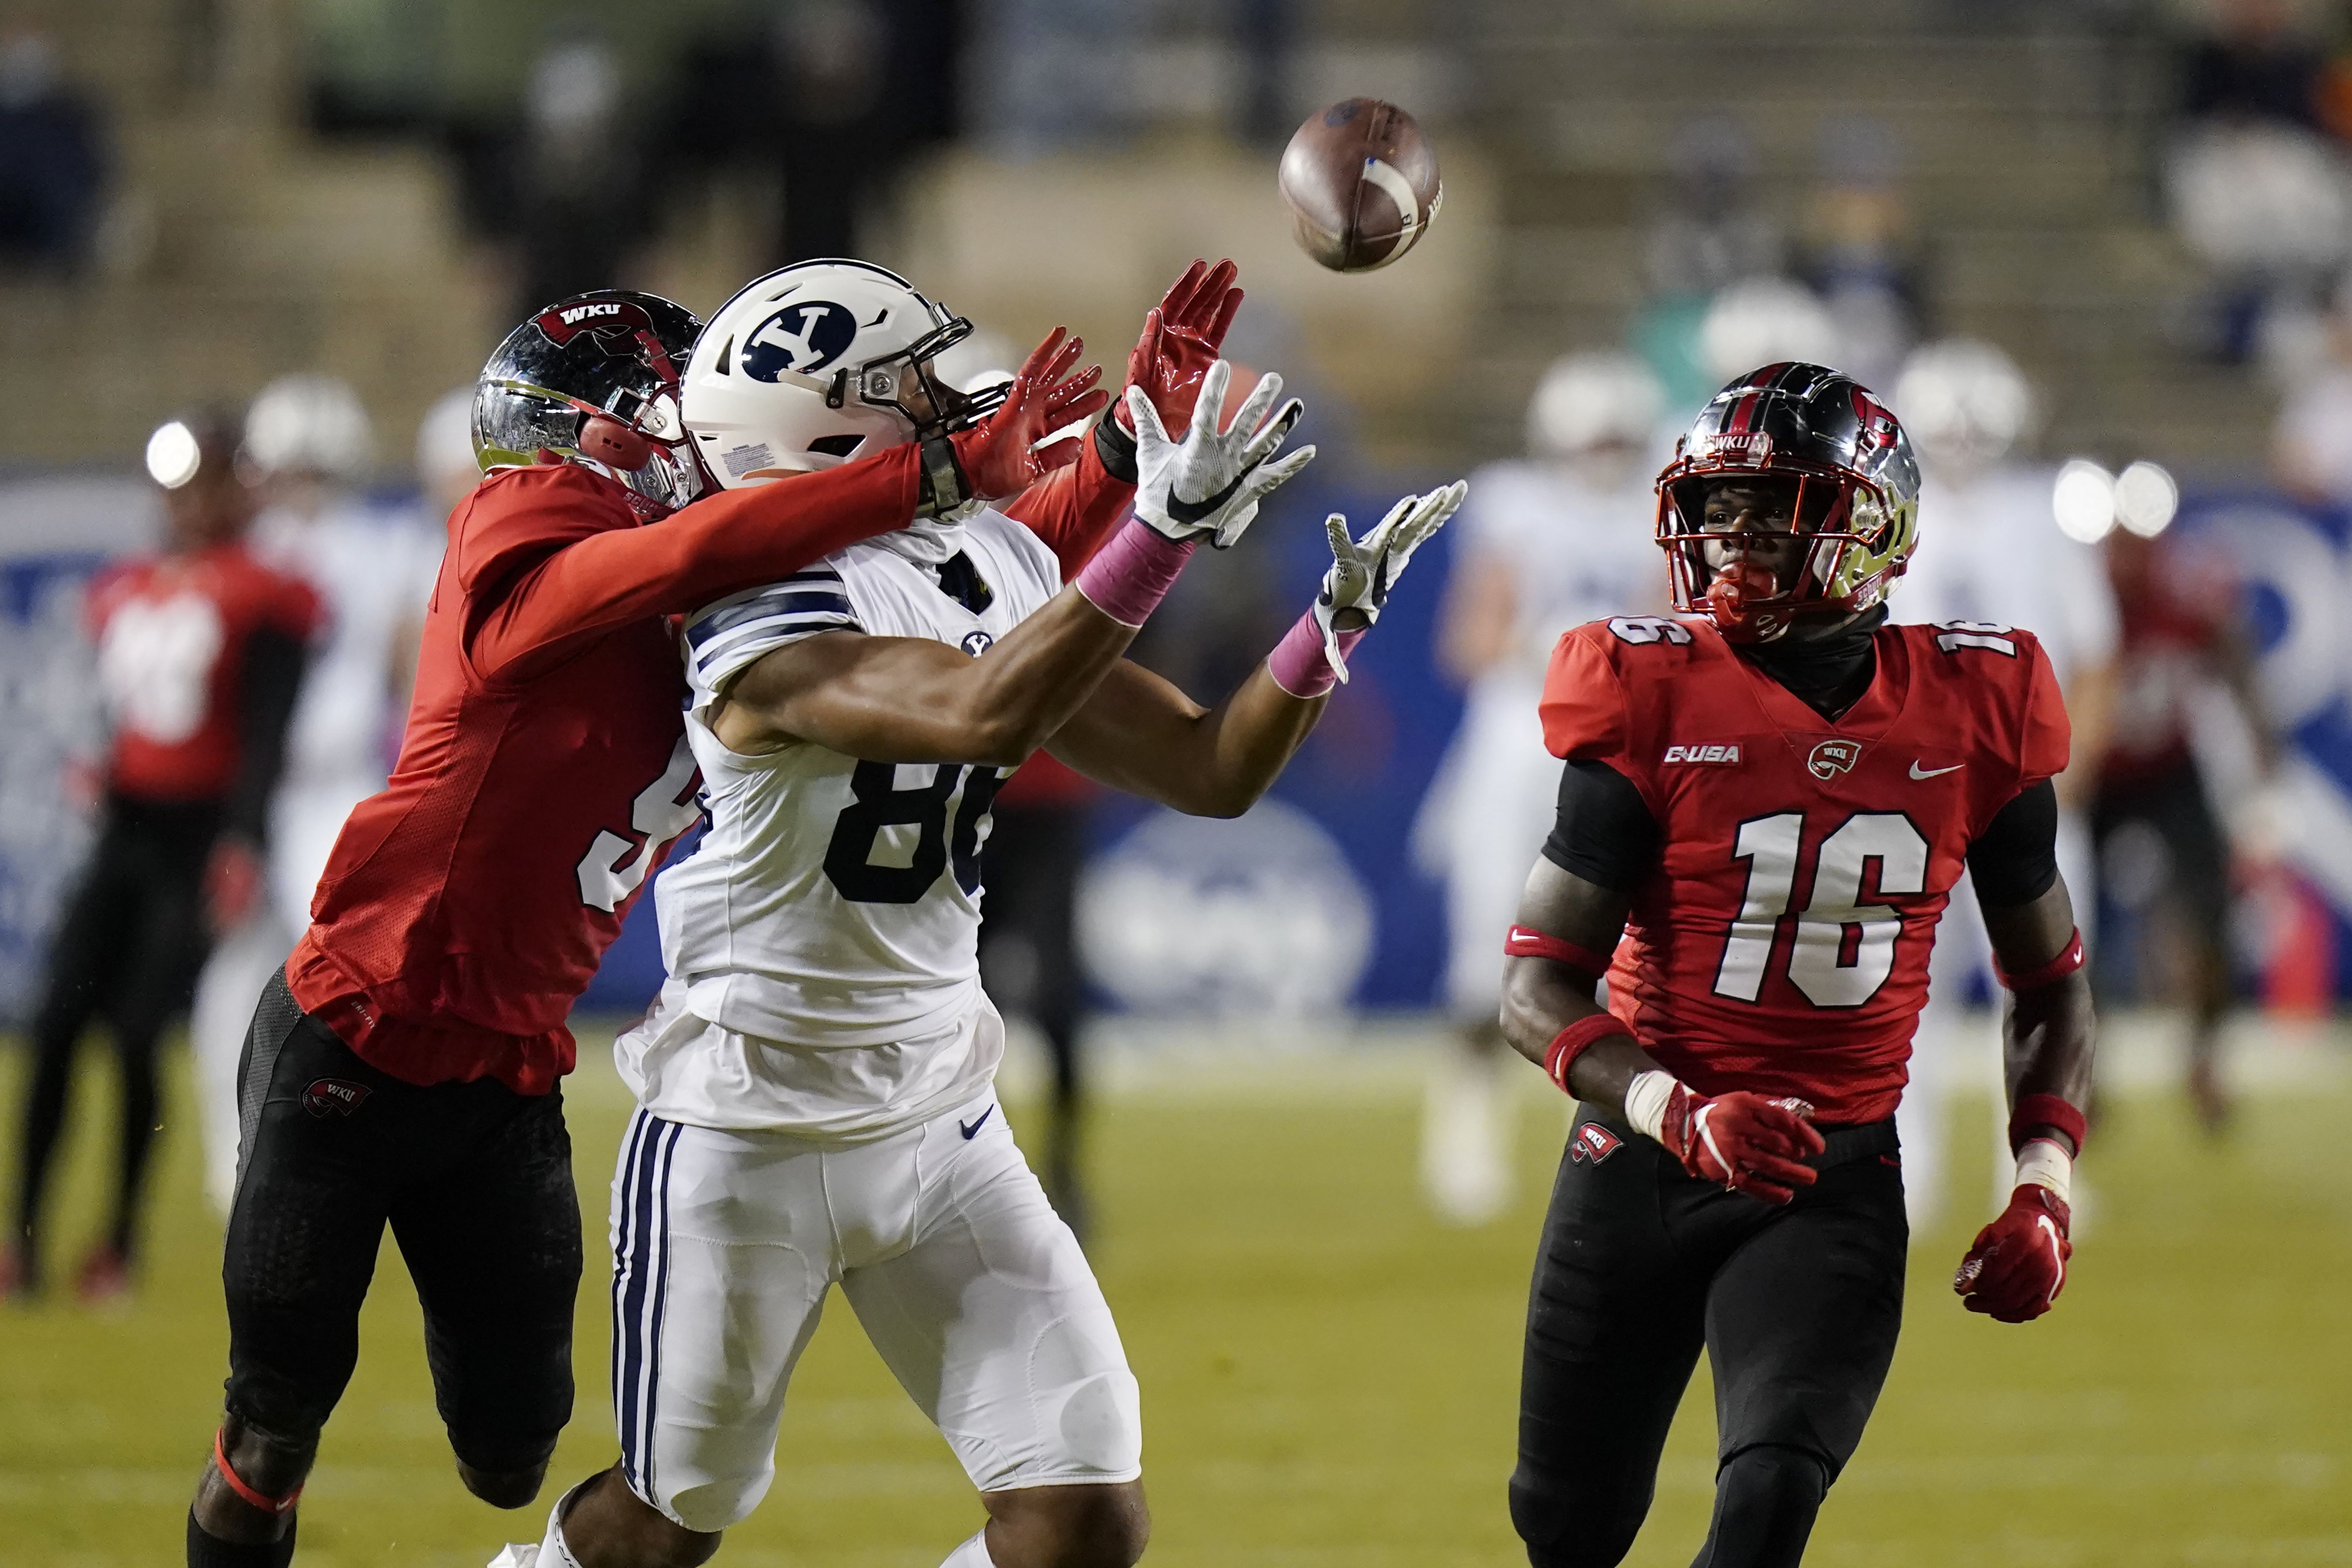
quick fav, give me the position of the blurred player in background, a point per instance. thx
(1992, 551)
(1544, 544)
(200, 651)
(307, 440)
(1770, 807)
(2159, 838)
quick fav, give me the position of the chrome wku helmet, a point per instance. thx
(1837, 472)
(595, 380)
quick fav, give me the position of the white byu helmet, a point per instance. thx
(1964, 402)
(818, 363)
(1593, 399)
(309, 423)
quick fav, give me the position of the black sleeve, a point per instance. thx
(266, 687)
(1604, 832)
(2015, 859)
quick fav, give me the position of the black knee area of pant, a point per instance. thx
(1765, 1501)
(211, 1551)
(504, 1486)
(1564, 1532)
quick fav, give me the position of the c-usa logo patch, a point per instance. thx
(804, 337)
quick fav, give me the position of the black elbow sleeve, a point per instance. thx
(2015, 859)
(1604, 831)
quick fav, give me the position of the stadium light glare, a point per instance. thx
(2145, 498)
(2084, 500)
(172, 456)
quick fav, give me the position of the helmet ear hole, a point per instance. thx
(609, 441)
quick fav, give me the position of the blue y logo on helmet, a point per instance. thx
(804, 337)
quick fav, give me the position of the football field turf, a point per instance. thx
(1329, 1376)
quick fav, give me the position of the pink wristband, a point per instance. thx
(1297, 664)
(1129, 576)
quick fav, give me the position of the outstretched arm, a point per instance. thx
(1139, 733)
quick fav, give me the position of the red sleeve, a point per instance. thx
(1073, 508)
(98, 599)
(550, 556)
(295, 609)
(1583, 703)
(2045, 736)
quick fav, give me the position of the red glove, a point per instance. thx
(2019, 1263)
(1000, 456)
(232, 884)
(1181, 338)
(1745, 1141)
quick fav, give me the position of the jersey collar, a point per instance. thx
(1873, 715)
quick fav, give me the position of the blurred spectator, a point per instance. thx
(1858, 251)
(1761, 322)
(309, 440)
(1045, 75)
(52, 159)
(2311, 447)
(1990, 550)
(199, 653)
(827, 97)
(1707, 233)
(2257, 190)
(2162, 852)
(1544, 544)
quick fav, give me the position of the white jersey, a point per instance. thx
(823, 940)
(1990, 550)
(1575, 554)
(374, 572)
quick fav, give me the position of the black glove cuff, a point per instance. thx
(1115, 448)
(943, 487)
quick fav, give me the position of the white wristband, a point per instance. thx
(2045, 1164)
(1645, 1102)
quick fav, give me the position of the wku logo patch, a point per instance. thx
(333, 1097)
(1590, 1143)
(1831, 758)
(1701, 753)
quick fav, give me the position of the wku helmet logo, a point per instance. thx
(1590, 1143)
(802, 338)
(1831, 758)
(615, 324)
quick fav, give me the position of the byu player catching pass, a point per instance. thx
(403, 1068)
(816, 1099)
(1761, 815)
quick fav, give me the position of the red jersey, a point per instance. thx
(172, 634)
(2179, 608)
(1781, 942)
(544, 772)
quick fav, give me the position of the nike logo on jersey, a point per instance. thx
(1919, 772)
(972, 1129)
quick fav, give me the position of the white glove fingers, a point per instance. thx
(1272, 434)
(1147, 429)
(1209, 410)
(1343, 544)
(1251, 414)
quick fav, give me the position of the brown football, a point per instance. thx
(1361, 181)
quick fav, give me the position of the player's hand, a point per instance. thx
(1364, 570)
(2018, 1264)
(1181, 338)
(1209, 484)
(1000, 456)
(1746, 1142)
(232, 884)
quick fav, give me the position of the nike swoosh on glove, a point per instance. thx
(1208, 485)
(1743, 1142)
(1364, 570)
(2018, 1264)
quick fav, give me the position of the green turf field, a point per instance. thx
(1328, 1376)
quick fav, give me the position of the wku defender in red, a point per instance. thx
(403, 1069)
(1762, 812)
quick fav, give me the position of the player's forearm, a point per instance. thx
(720, 544)
(2048, 1036)
(1541, 999)
(1075, 508)
(1221, 762)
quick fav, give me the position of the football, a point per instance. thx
(1361, 181)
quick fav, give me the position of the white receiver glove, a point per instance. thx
(1209, 484)
(1364, 570)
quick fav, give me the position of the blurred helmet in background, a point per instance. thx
(1765, 320)
(1965, 403)
(313, 425)
(820, 363)
(1852, 488)
(1594, 400)
(446, 462)
(595, 380)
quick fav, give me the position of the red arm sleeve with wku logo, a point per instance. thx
(1073, 508)
(552, 556)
